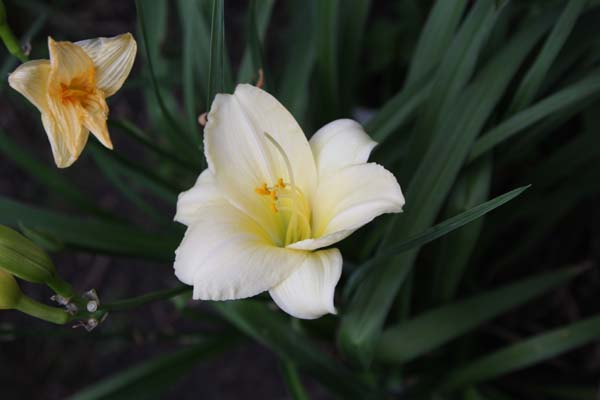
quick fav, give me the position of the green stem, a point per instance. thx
(38, 310)
(8, 37)
(135, 302)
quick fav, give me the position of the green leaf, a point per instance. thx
(179, 139)
(216, 82)
(397, 111)
(453, 73)
(273, 330)
(327, 60)
(432, 234)
(524, 353)
(136, 173)
(292, 380)
(259, 14)
(87, 233)
(105, 164)
(301, 55)
(435, 38)
(586, 89)
(152, 379)
(406, 341)
(48, 176)
(139, 136)
(196, 46)
(353, 19)
(363, 319)
(455, 251)
(566, 162)
(532, 82)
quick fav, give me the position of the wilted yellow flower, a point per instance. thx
(71, 88)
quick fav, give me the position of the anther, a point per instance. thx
(263, 190)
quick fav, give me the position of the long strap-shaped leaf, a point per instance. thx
(301, 55)
(327, 60)
(216, 75)
(453, 73)
(89, 234)
(196, 46)
(435, 37)
(150, 379)
(525, 353)
(273, 330)
(431, 234)
(363, 320)
(580, 91)
(408, 340)
(259, 14)
(176, 134)
(47, 175)
(532, 82)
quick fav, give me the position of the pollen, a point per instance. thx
(272, 192)
(263, 190)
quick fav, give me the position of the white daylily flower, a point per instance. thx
(270, 200)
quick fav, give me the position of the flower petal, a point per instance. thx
(339, 144)
(308, 292)
(348, 199)
(269, 115)
(94, 119)
(113, 58)
(242, 158)
(191, 202)
(68, 61)
(31, 80)
(226, 256)
(67, 138)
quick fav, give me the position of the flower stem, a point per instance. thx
(38, 310)
(135, 302)
(8, 37)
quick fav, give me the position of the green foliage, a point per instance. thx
(468, 99)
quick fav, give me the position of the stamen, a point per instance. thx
(289, 198)
(263, 190)
(288, 164)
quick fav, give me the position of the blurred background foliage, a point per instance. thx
(471, 101)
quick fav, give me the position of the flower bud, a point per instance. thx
(20, 257)
(10, 294)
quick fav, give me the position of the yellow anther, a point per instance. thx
(263, 190)
(273, 195)
(280, 183)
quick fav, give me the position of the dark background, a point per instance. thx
(46, 362)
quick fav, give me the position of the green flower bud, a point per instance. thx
(10, 293)
(22, 258)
